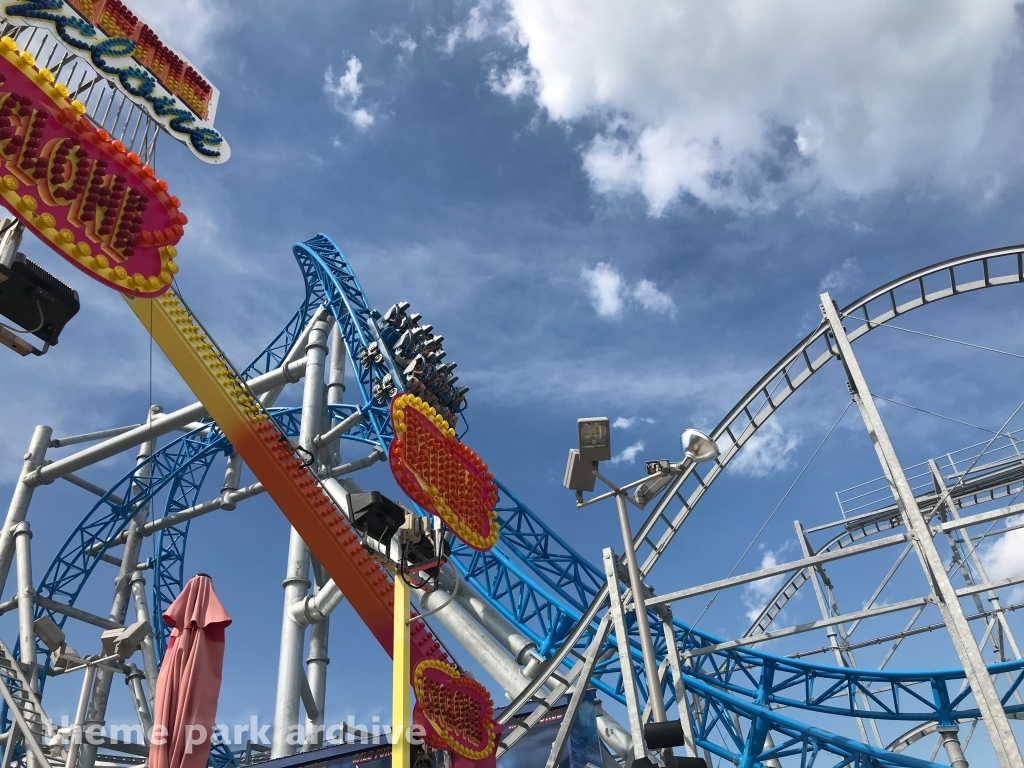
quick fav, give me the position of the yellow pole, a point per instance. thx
(401, 694)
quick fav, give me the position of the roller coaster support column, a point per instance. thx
(643, 626)
(320, 630)
(621, 636)
(97, 712)
(1003, 743)
(951, 741)
(149, 663)
(290, 673)
(26, 600)
(22, 497)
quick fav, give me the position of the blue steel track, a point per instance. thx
(536, 580)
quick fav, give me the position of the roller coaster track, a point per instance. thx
(537, 581)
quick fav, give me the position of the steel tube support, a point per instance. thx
(26, 600)
(682, 699)
(625, 662)
(22, 497)
(590, 659)
(316, 664)
(133, 679)
(1003, 742)
(951, 743)
(75, 740)
(134, 437)
(643, 626)
(122, 593)
(149, 662)
(290, 673)
(485, 649)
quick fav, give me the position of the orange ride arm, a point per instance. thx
(293, 487)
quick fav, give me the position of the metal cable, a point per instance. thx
(443, 605)
(772, 515)
(873, 324)
(1007, 435)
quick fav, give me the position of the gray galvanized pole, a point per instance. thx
(643, 626)
(316, 664)
(1003, 742)
(590, 659)
(26, 600)
(97, 712)
(76, 737)
(833, 631)
(22, 497)
(979, 567)
(296, 584)
(327, 594)
(625, 662)
(951, 743)
(149, 663)
(133, 678)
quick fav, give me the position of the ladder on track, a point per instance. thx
(33, 726)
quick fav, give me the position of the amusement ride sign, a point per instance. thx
(128, 53)
(441, 474)
(86, 197)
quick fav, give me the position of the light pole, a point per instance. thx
(580, 474)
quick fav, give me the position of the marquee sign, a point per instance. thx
(130, 55)
(86, 197)
(441, 474)
(458, 709)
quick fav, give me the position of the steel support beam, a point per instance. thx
(26, 600)
(625, 661)
(1003, 742)
(290, 673)
(97, 712)
(135, 437)
(23, 491)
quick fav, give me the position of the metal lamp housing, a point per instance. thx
(595, 439)
(698, 446)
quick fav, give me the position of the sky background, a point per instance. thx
(622, 209)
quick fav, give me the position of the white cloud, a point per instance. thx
(756, 594)
(652, 299)
(480, 23)
(514, 82)
(608, 292)
(1005, 557)
(345, 92)
(629, 454)
(767, 452)
(739, 103)
(604, 286)
(624, 422)
(841, 278)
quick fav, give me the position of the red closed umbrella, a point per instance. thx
(189, 681)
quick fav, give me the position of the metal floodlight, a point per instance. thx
(595, 439)
(123, 642)
(375, 515)
(579, 474)
(48, 631)
(698, 446)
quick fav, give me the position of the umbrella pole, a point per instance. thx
(401, 697)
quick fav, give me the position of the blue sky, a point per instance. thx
(628, 210)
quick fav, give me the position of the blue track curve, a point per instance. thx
(534, 578)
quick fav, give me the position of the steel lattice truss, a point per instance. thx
(536, 580)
